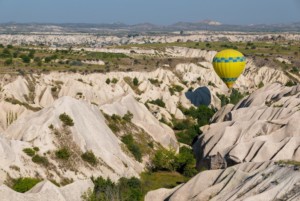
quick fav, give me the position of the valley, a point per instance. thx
(145, 117)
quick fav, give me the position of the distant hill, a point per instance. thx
(115, 28)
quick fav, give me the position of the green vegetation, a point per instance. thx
(114, 81)
(24, 184)
(107, 81)
(288, 162)
(175, 88)
(290, 83)
(90, 157)
(29, 151)
(128, 116)
(106, 190)
(186, 130)
(41, 59)
(132, 146)
(166, 160)
(132, 189)
(234, 97)
(40, 160)
(155, 82)
(155, 180)
(63, 153)
(135, 81)
(224, 99)
(66, 119)
(158, 102)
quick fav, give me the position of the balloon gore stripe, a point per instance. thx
(229, 79)
(229, 59)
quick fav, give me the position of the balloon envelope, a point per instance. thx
(229, 64)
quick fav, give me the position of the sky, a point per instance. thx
(161, 12)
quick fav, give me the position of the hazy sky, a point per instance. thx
(153, 11)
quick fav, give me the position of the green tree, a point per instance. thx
(135, 81)
(164, 160)
(25, 59)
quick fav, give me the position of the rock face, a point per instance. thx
(47, 191)
(260, 129)
(248, 181)
(89, 133)
(143, 119)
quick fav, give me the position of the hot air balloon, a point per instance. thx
(229, 64)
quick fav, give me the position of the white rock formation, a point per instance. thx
(247, 181)
(47, 191)
(260, 128)
(144, 119)
(89, 132)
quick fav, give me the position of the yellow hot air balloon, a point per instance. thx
(229, 64)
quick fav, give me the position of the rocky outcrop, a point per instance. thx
(262, 127)
(144, 119)
(45, 130)
(47, 191)
(248, 181)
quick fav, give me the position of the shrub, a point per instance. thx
(185, 162)
(107, 81)
(126, 190)
(132, 146)
(114, 127)
(29, 151)
(89, 157)
(25, 59)
(203, 114)
(40, 160)
(66, 119)
(24, 184)
(261, 84)
(114, 80)
(36, 148)
(128, 116)
(187, 136)
(175, 88)
(63, 154)
(236, 96)
(8, 62)
(135, 81)
(158, 102)
(164, 160)
(290, 83)
(224, 99)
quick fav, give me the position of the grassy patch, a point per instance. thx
(24, 184)
(288, 162)
(89, 157)
(156, 180)
(132, 146)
